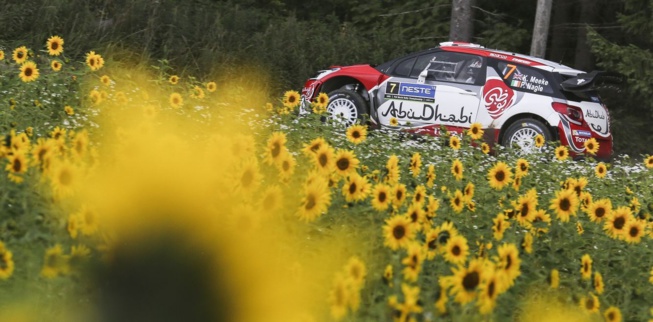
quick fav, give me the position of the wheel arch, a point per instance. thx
(517, 117)
(338, 82)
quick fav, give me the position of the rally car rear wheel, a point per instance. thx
(522, 133)
(346, 106)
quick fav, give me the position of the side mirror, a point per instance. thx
(421, 79)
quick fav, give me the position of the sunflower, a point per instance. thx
(275, 147)
(387, 275)
(316, 200)
(509, 264)
(28, 72)
(247, 177)
(6, 262)
(456, 250)
(105, 80)
(616, 221)
(489, 292)
(54, 262)
(612, 314)
(80, 144)
(311, 148)
(357, 134)
(416, 164)
(457, 169)
(579, 228)
(501, 224)
(562, 153)
(634, 231)
(432, 207)
(54, 46)
(398, 194)
(634, 205)
(211, 87)
(17, 166)
(485, 148)
(394, 121)
(590, 303)
(286, 167)
(291, 99)
(392, 166)
(356, 188)
(499, 176)
(525, 209)
(539, 141)
(176, 101)
(398, 232)
(55, 65)
(173, 79)
(521, 168)
(648, 162)
(431, 243)
(64, 178)
(94, 61)
(430, 175)
(468, 192)
(197, 92)
(271, 199)
(381, 197)
(42, 152)
(599, 210)
(586, 267)
(554, 278)
(598, 283)
(345, 162)
(475, 131)
(454, 142)
(457, 202)
(356, 271)
(2, 55)
(466, 281)
(324, 159)
(591, 146)
(413, 262)
(339, 297)
(322, 100)
(88, 220)
(20, 55)
(600, 170)
(69, 110)
(564, 204)
(73, 225)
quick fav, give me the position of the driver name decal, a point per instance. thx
(497, 97)
(410, 92)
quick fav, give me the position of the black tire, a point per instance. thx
(522, 133)
(346, 106)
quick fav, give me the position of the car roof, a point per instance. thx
(509, 57)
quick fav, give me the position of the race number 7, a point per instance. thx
(392, 87)
(510, 71)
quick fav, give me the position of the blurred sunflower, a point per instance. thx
(398, 194)
(211, 87)
(456, 250)
(485, 148)
(509, 264)
(357, 134)
(272, 199)
(413, 261)
(599, 286)
(55, 65)
(431, 243)
(20, 55)
(430, 175)
(586, 267)
(356, 188)
(275, 147)
(316, 200)
(356, 271)
(521, 168)
(41, 153)
(457, 169)
(579, 228)
(616, 221)
(387, 274)
(561, 153)
(600, 170)
(311, 148)
(54, 46)
(105, 80)
(612, 314)
(28, 72)
(539, 141)
(197, 92)
(64, 178)
(432, 207)
(500, 225)
(527, 243)
(17, 166)
(648, 162)
(590, 303)
(89, 220)
(324, 159)
(286, 166)
(393, 121)
(54, 262)
(6, 262)
(80, 144)
(554, 278)
(416, 164)
(2, 55)
(176, 101)
(173, 79)
(394, 174)
(564, 204)
(475, 131)
(247, 176)
(381, 197)
(69, 110)
(397, 232)
(94, 61)
(291, 99)
(416, 215)
(419, 195)
(600, 209)
(591, 146)
(525, 209)
(339, 297)
(454, 142)
(457, 202)
(466, 281)
(499, 176)
(345, 162)
(634, 231)
(322, 100)
(73, 225)
(489, 291)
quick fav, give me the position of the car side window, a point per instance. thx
(404, 67)
(450, 67)
(523, 78)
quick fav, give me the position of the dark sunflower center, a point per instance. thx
(54, 45)
(418, 197)
(292, 99)
(443, 237)
(356, 134)
(524, 210)
(634, 231)
(433, 244)
(247, 178)
(474, 130)
(91, 62)
(565, 204)
(89, 218)
(3, 263)
(599, 212)
(382, 197)
(589, 304)
(340, 296)
(491, 289)
(268, 202)
(398, 232)
(352, 188)
(41, 154)
(523, 167)
(322, 159)
(413, 216)
(456, 201)
(310, 202)
(20, 55)
(65, 178)
(590, 146)
(586, 267)
(17, 165)
(611, 316)
(500, 176)
(456, 169)
(343, 164)
(470, 281)
(28, 72)
(400, 195)
(456, 251)
(601, 170)
(286, 165)
(499, 225)
(508, 262)
(619, 223)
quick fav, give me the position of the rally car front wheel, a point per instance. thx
(522, 133)
(346, 106)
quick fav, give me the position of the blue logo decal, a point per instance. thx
(582, 133)
(410, 92)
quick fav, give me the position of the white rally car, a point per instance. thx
(514, 97)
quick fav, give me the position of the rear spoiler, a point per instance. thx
(590, 81)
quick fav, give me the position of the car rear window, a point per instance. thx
(525, 79)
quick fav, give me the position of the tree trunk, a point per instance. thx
(541, 28)
(462, 21)
(588, 16)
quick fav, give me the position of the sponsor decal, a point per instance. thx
(580, 140)
(497, 97)
(427, 113)
(410, 92)
(498, 56)
(519, 60)
(582, 133)
(594, 115)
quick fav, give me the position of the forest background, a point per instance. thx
(292, 39)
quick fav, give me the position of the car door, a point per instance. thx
(431, 90)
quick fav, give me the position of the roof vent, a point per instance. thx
(460, 44)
